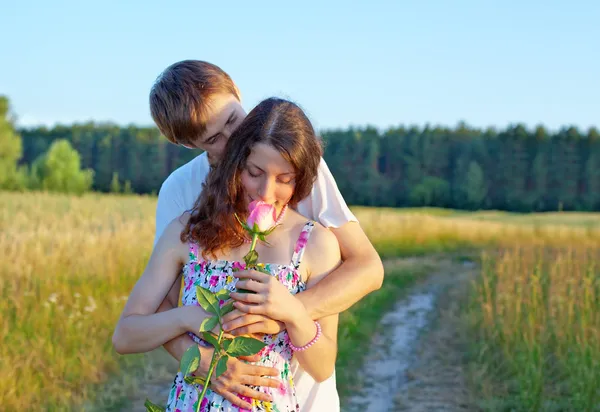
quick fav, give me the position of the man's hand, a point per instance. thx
(240, 323)
(238, 375)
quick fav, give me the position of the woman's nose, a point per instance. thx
(267, 191)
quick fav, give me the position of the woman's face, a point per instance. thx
(267, 176)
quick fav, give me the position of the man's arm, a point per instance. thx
(360, 274)
(177, 346)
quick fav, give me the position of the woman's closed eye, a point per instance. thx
(287, 180)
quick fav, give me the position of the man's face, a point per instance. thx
(224, 113)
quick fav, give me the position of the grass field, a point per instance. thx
(535, 317)
(68, 263)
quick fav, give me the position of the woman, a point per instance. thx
(272, 157)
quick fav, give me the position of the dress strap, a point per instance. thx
(301, 243)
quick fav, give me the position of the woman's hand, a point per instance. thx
(272, 298)
(240, 323)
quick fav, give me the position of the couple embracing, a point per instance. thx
(317, 263)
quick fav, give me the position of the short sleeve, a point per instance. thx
(168, 207)
(179, 192)
(325, 203)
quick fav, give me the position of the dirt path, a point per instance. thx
(415, 363)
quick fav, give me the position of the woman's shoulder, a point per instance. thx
(322, 238)
(320, 241)
(322, 251)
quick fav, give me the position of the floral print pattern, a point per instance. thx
(216, 275)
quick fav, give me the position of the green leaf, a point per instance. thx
(151, 407)
(195, 380)
(244, 225)
(190, 360)
(225, 343)
(226, 308)
(243, 346)
(209, 324)
(210, 338)
(223, 294)
(255, 228)
(251, 258)
(262, 237)
(222, 365)
(263, 270)
(207, 300)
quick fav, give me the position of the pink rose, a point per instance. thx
(262, 214)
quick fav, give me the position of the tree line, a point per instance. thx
(514, 169)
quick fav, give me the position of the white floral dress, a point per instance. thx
(216, 275)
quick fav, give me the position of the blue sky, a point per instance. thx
(383, 63)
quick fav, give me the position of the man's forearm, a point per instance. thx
(350, 282)
(177, 346)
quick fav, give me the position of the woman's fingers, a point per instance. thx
(252, 274)
(233, 398)
(240, 321)
(252, 393)
(260, 381)
(248, 297)
(255, 328)
(234, 314)
(255, 370)
(249, 284)
(252, 309)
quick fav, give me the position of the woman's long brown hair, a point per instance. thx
(276, 122)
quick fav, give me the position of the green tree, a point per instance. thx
(432, 191)
(475, 186)
(591, 190)
(11, 149)
(59, 170)
(115, 186)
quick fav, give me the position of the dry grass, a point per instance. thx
(414, 232)
(536, 316)
(66, 267)
(68, 263)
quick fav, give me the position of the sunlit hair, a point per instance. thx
(278, 123)
(181, 95)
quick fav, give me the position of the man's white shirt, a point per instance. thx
(324, 204)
